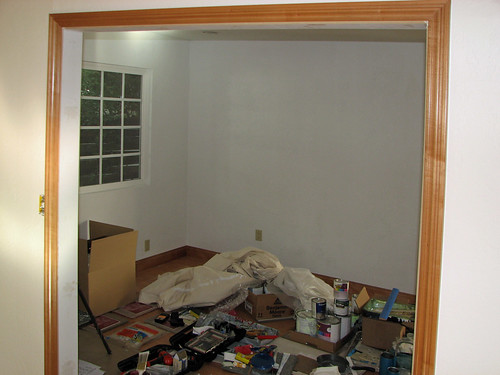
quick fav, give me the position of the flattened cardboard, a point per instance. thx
(363, 298)
(381, 333)
(107, 275)
(267, 307)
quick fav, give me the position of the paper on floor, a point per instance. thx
(87, 368)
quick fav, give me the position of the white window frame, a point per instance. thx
(145, 152)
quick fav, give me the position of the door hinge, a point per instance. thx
(41, 204)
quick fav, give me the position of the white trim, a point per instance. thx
(67, 239)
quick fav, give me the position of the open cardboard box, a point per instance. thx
(106, 266)
(266, 307)
(381, 333)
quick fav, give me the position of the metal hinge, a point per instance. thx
(41, 204)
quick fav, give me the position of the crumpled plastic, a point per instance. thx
(194, 287)
(226, 275)
(295, 287)
(249, 261)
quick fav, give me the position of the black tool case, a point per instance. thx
(184, 340)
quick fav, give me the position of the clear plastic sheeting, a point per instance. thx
(194, 287)
(249, 261)
(295, 287)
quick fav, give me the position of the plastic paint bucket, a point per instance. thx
(305, 322)
(329, 328)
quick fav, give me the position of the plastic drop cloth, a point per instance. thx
(226, 275)
(195, 287)
(295, 287)
(249, 261)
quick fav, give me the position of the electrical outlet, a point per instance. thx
(147, 245)
(258, 234)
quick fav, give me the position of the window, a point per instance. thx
(113, 126)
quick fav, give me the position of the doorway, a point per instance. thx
(435, 13)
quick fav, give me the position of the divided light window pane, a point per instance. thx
(110, 170)
(89, 172)
(133, 86)
(112, 87)
(90, 114)
(110, 125)
(91, 82)
(131, 167)
(111, 113)
(132, 113)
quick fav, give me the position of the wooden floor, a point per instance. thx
(92, 350)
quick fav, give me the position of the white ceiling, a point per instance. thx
(389, 35)
(400, 32)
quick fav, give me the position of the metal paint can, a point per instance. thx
(329, 328)
(341, 307)
(345, 325)
(305, 322)
(341, 289)
(318, 307)
(340, 297)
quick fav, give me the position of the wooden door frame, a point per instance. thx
(435, 13)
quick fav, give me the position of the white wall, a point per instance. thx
(319, 145)
(467, 339)
(156, 209)
(471, 252)
(23, 81)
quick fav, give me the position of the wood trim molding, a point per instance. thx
(165, 257)
(51, 319)
(435, 13)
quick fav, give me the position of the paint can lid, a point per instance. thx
(330, 319)
(304, 314)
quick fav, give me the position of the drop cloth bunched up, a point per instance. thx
(230, 273)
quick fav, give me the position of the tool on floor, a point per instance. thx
(92, 319)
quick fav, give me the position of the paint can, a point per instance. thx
(318, 307)
(305, 322)
(329, 328)
(341, 297)
(345, 325)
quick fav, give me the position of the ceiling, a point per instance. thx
(376, 35)
(376, 32)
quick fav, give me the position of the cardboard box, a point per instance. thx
(381, 333)
(266, 307)
(316, 342)
(106, 266)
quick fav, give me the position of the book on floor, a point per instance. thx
(106, 322)
(135, 309)
(136, 335)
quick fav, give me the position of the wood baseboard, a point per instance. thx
(205, 255)
(200, 253)
(143, 264)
